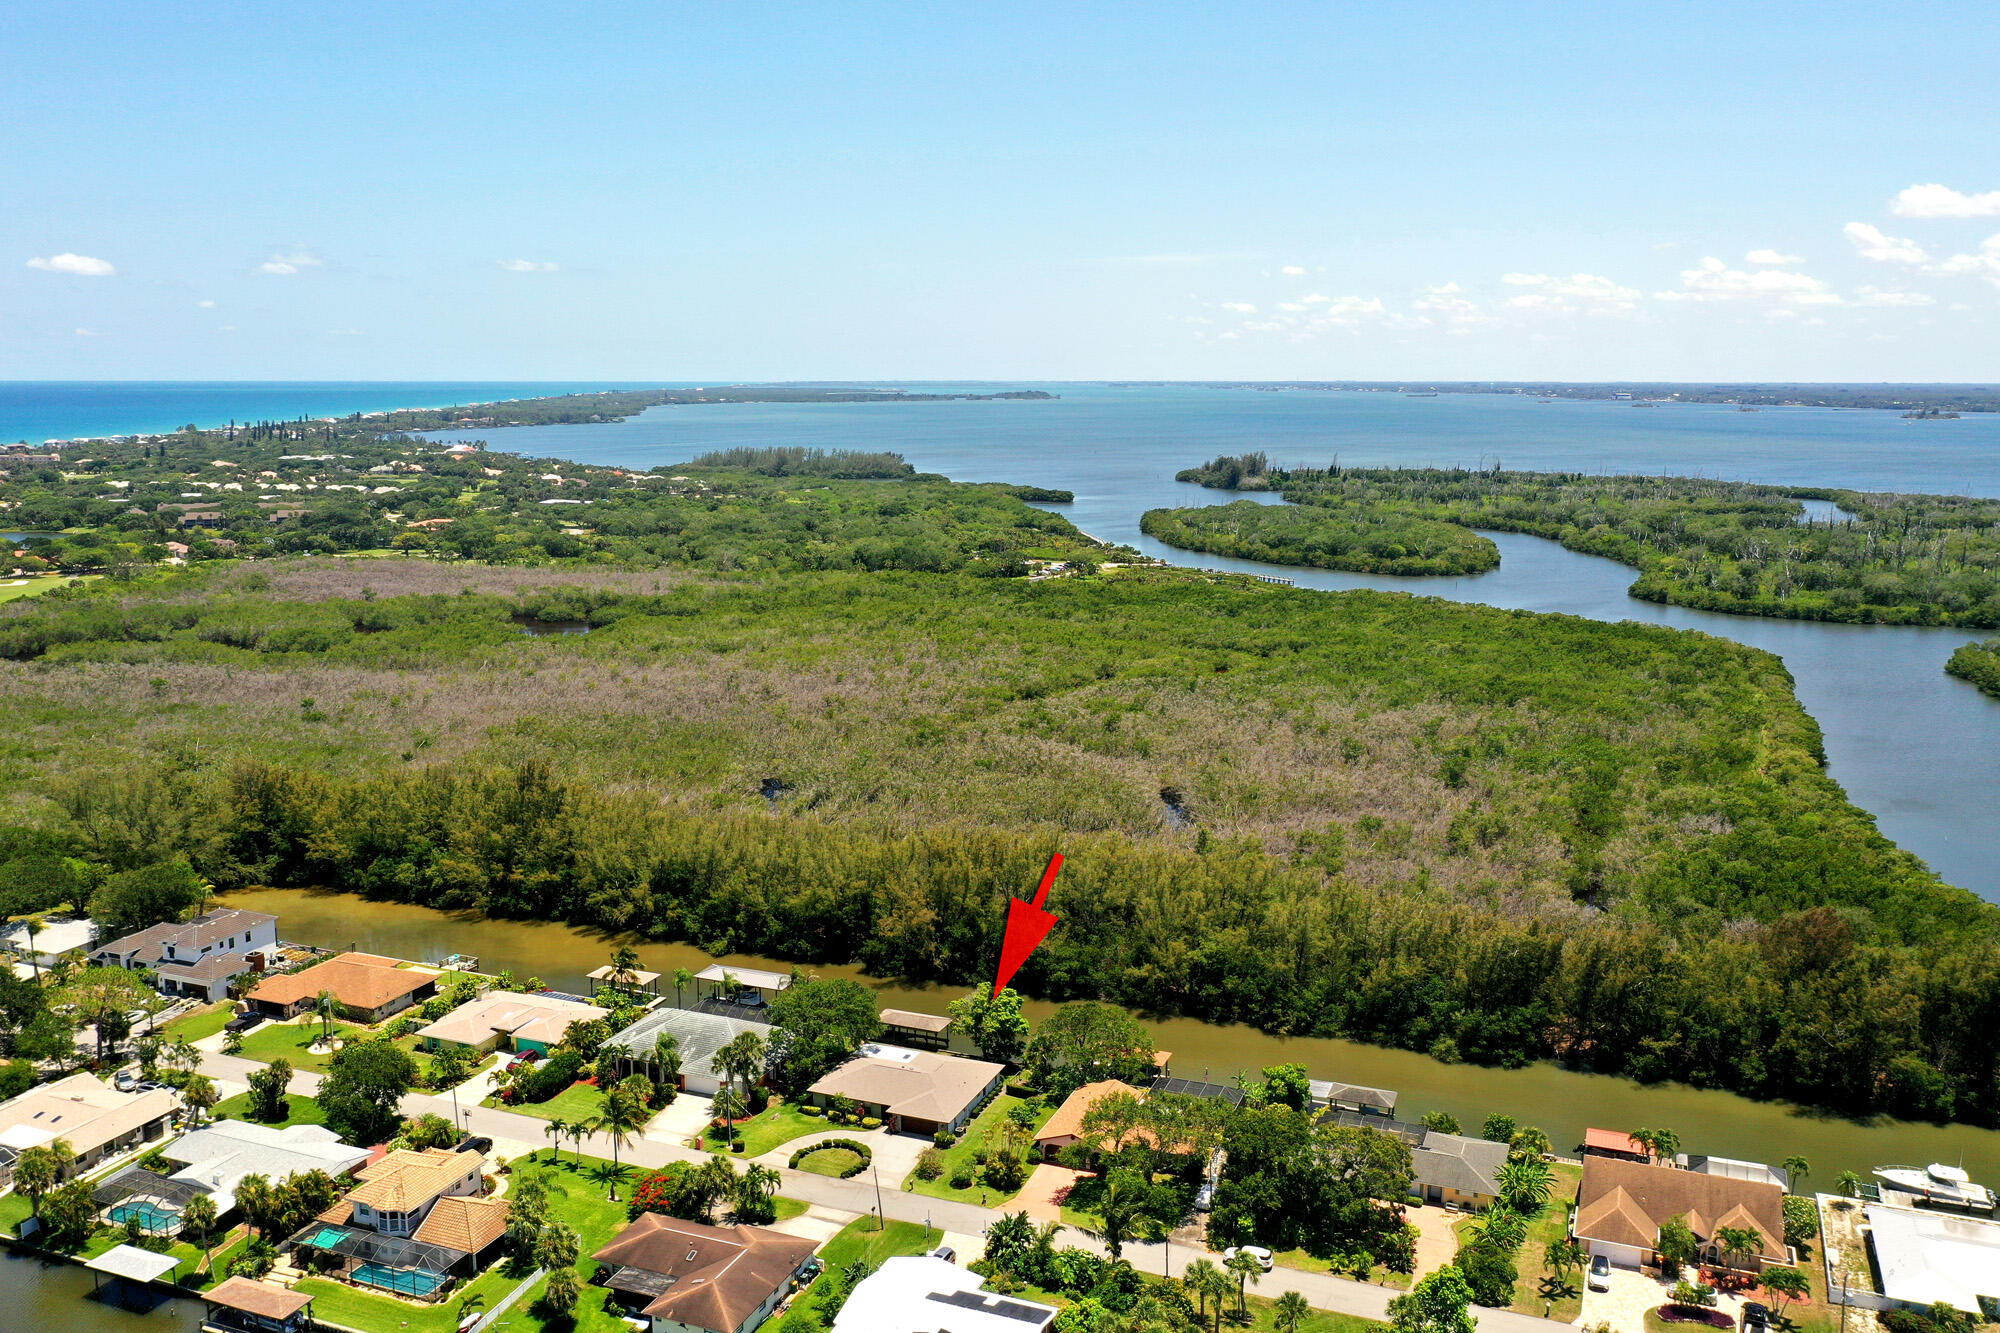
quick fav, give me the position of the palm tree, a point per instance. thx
(1525, 1184)
(326, 1004)
(1662, 1144)
(1123, 1213)
(1199, 1278)
(41, 1168)
(258, 1200)
(578, 1131)
(667, 1058)
(1248, 1272)
(555, 1129)
(1847, 1184)
(198, 1216)
(1218, 1292)
(1797, 1168)
(683, 978)
(1290, 1312)
(1736, 1243)
(623, 963)
(1528, 1141)
(1502, 1228)
(742, 1057)
(198, 1094)
(620, 1116)
(729, 1107)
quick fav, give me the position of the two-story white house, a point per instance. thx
(198, 958)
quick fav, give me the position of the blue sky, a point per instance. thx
(951, 191)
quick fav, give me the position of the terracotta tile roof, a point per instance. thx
(358, 980)
(464, 1224)
(1067, 1122)
(258, 1298)
(405, 1181)
(714, 1276)
(1624, 1203)
(1613, 1140)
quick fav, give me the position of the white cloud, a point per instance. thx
(1985, 264)
(1314, 298)
(1293, 306)
(1240, 307)
(1449, 302)
(1293, 271)
(1871, 242)
(1716, 281)
(88, 333)
(284, 265)
(1941, 201)
(528, 266)
(1579, 291)
(208, 305)
(83, 266)
(1878, 296)
(1772, 257)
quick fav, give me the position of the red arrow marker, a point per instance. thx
(1027, 926)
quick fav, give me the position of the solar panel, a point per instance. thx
(995, 1305)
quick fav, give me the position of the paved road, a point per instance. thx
(859, 1195)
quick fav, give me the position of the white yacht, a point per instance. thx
(1939, 1185)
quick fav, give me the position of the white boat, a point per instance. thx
(1938, 1184)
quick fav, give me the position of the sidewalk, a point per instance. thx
(859, 1195)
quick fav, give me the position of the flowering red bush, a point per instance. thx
(656, 1191)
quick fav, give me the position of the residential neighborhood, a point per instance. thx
(339, 1136)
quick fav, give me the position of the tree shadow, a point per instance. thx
(1556, 1289)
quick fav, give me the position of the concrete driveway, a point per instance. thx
(1633, 1294)
(1038, 1196)
(1437, 1241)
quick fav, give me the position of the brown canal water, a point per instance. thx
(1563, 1102)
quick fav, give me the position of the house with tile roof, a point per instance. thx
(1622, 1205)
(398, 1191)
(509, 1020)
(689, 1277)
(914, 1092)
(369, 988)
(95, 1119)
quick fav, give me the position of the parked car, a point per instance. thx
(137, 1017)
(1257, 1252)
(1600, 1273)
(946, 1253)
(242, 1022)
(124, 1082)
(478, 1144)
(1756, 1316)
(1204, 1198)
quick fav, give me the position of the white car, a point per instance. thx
(1257, 1252)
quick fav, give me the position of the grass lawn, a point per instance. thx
(577, 1193)
(833, 1162)
(37, 585)
(577, 1102)
(964, 1155)
(780, 1122)
(201, 1023)
(1306, 1263)
(1537, 1290)
(856, 1240)
(300, 1110)
(288, 1041)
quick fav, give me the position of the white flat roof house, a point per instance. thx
(54, 940)
(922, 1294)
(1927, 1256)
(92, 1116)
(219, 1156)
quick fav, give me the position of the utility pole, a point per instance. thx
(881, 1219)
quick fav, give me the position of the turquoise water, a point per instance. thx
(34, 411)
(325, 1238)
(160, 1221)
(403, 1281)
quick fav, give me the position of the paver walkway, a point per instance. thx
(1038, 1196)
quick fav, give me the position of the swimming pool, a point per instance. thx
(148, 1217)
(402, 1281)
(325, 1238)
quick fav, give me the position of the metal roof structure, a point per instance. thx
(372, 1247)
(133, 1264)
(137, 1183)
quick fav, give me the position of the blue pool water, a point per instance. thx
(403, 1281)
(325, 1238)
(152, 1218)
